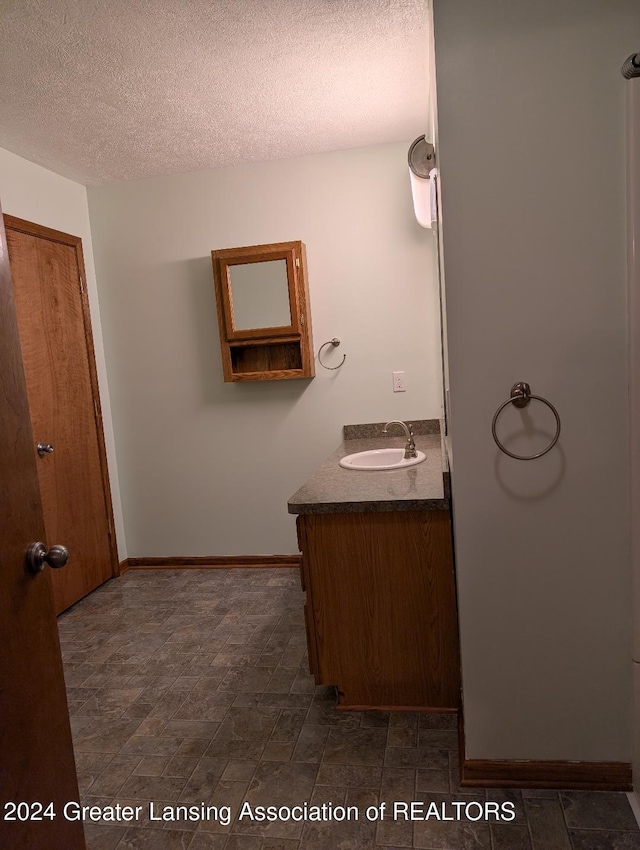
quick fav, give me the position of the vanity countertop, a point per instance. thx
(332, 489)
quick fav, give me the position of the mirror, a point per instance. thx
(260, 295)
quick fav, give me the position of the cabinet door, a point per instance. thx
(314, 668)
(299, 532)
(312, 649)
(383, 604)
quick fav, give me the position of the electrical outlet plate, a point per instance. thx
(399, 383)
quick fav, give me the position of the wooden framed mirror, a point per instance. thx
(263, 312)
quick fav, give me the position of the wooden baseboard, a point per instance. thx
(574, 775)
(414, 709)
(123, 567)
(213, 562)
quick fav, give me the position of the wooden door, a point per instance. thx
(57, 350)
(36, 754)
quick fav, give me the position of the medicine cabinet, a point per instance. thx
(264, 319)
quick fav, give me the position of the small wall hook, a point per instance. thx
(335, 342)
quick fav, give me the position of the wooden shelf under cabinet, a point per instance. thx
(266, 360)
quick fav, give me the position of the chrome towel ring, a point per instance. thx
(520, 397)
(335, 342)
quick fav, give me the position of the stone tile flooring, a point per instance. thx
(191, 687)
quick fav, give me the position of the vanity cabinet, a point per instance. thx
(380, 607)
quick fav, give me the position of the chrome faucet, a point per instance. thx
(410, 449)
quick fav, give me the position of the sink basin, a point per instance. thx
(378, 459)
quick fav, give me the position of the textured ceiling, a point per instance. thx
(110, 90)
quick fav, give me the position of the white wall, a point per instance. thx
(31, 192)
(206, 468)
(531, 126)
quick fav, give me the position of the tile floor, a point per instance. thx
(191, 686)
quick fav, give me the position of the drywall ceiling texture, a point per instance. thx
(119, 90)
(206, 467)
(533, 181)
(35, 194)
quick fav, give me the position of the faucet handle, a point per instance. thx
(411, 443)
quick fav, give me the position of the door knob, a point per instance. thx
(37, 554)
(44, 449)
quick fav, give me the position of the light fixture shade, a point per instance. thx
(422, 174)
(421, 191)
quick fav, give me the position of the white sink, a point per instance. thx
(378, 459)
